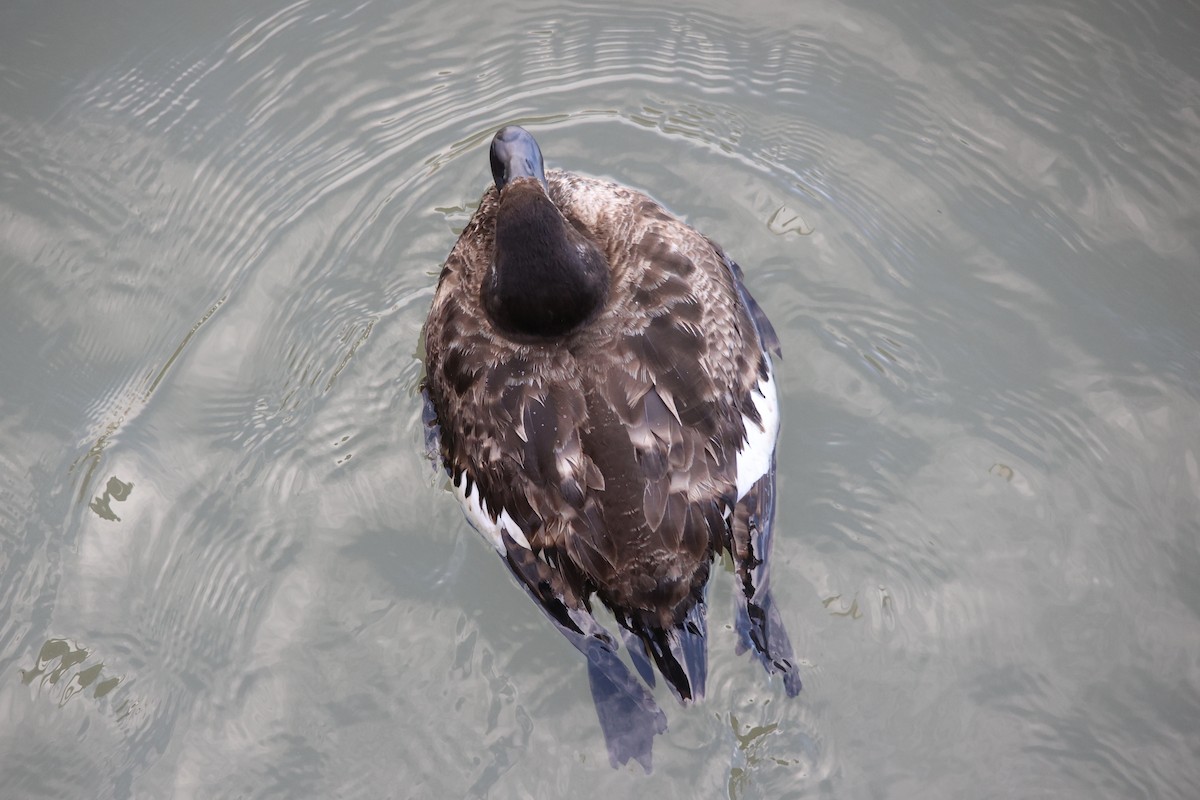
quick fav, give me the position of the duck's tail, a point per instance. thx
(680, 651)
(629, 717)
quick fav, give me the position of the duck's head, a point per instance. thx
(546, 278)
(515, 154)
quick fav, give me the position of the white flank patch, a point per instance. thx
(754, 457)
(481, 520)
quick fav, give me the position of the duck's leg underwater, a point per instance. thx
(629, 717)
(758, 621)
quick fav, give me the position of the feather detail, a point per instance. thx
(607, 459)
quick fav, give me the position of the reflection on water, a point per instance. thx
(115, 491)
(972, 224)
(56, 659)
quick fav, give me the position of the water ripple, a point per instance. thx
(224, 251)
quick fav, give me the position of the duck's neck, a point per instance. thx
(546, 278)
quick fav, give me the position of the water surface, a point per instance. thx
(228, 571)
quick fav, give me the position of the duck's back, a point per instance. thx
(613, 448)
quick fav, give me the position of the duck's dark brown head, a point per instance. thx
(546, 278)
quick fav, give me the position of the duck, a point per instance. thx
(599, 389)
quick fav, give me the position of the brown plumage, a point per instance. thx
(605, 426)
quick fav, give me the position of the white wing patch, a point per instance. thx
(472, 502)
(754, 456)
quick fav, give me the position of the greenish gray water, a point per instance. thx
(228, 571)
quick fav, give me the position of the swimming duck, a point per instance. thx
(599, 389)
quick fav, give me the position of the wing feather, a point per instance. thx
(614, 449)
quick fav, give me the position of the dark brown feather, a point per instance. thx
(612, 447)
